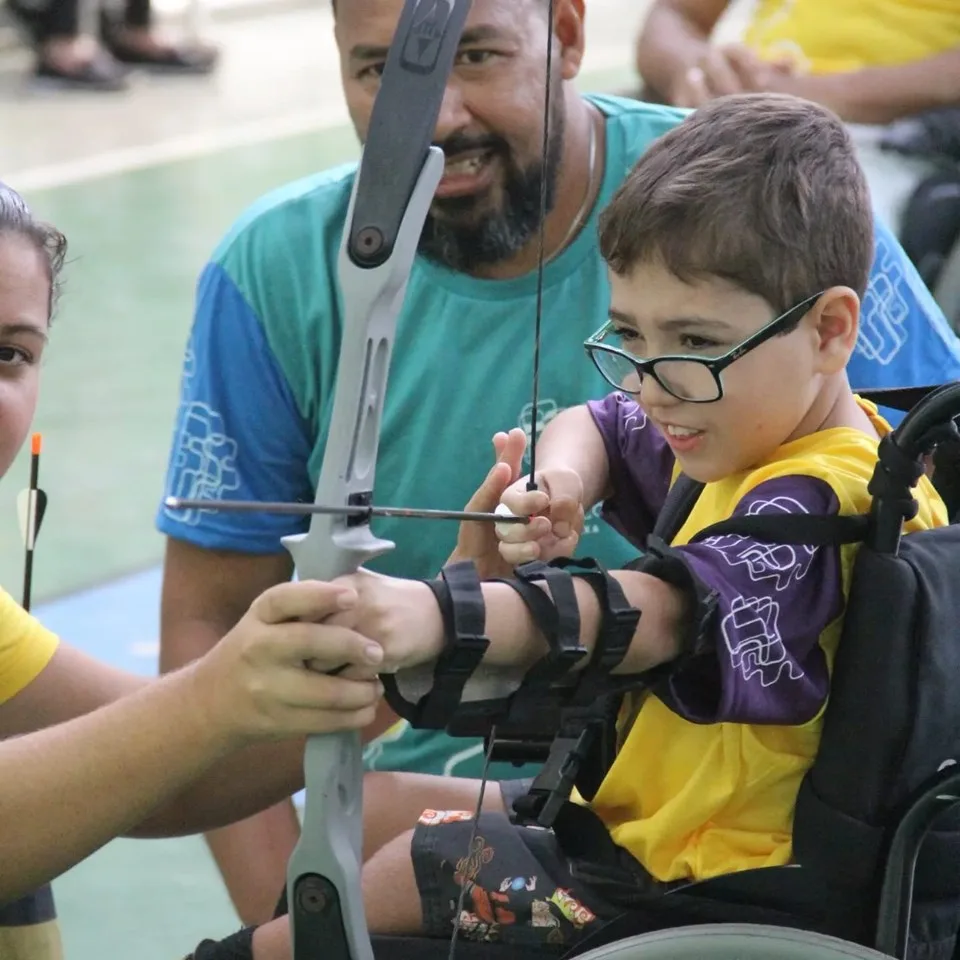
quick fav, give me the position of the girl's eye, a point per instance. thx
(14, 356)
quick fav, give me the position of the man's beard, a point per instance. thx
(460, 240)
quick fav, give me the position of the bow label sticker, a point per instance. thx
(423, 44)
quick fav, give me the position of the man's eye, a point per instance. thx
(475, 58)
(375, 70)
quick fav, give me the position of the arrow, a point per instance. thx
(31, 507)
(361, 512)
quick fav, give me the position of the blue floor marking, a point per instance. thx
(118, 623)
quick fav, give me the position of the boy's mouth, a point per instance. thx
(681, 439)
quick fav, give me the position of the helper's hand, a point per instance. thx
(556, 509)
(256, 682)
(477, 541)
(727, 69)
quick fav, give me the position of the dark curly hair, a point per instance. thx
(16, 218)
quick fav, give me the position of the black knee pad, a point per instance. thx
(238, 946)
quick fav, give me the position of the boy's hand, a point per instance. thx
(256, 683)
(556, 509)
(401, 616)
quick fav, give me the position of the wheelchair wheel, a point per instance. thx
(732, 941)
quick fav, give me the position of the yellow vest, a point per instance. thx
(832, 36)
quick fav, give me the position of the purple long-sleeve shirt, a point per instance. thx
(763, 663)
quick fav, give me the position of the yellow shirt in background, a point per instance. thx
(26, 647)
(832, 36)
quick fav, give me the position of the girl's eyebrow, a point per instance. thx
(31, 329)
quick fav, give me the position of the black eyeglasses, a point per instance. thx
(693, 379)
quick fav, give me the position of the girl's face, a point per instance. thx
(24, 322)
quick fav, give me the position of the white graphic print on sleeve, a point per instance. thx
(206, 463)
(783, 563)
(636, 419)
(883, 318)
(752, 637)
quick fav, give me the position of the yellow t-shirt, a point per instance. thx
(700, 799)
(26, 647)
(833, 36)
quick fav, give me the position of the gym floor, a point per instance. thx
(144, 184)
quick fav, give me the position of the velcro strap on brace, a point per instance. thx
(238, 946)
(618, 624)
(584, 743)
(460, 598)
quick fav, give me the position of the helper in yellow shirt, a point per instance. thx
(870, 61)
(26, 647)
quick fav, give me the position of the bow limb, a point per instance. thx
(398, 175)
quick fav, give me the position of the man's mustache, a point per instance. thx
(458, 144)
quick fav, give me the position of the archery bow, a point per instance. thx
(398, 175)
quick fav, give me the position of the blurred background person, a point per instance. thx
(79, 44)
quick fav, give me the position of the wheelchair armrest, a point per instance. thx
(939, 794)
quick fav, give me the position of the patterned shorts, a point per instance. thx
(520, 886)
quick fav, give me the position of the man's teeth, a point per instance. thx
(681, 431)
(466, 167)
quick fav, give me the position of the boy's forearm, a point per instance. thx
(515, 640)
(572, 440)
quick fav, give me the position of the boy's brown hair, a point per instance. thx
(763, 190)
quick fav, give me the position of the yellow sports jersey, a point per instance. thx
(708, 771)
(26, 647)
(832, 36)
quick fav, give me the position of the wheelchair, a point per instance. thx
(876, 871)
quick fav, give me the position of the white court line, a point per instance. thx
(114, 162)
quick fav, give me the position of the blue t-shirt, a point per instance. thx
(262, 356)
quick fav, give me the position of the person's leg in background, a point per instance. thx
(67, 55)
(132, 39)
(29, 928)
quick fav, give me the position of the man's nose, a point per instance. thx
(454, 115)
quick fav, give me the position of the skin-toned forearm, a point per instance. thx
(878, 95)
(245, 783)
(671, 41)
(71, 788)
(572, 440)
(516, 641)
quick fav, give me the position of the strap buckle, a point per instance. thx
(553, 785)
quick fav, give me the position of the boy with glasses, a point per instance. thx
(739, 249)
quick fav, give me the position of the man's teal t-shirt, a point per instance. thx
(262, 359)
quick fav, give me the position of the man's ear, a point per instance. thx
(568, 27)
(836, 317)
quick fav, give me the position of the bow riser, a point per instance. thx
(323, 876)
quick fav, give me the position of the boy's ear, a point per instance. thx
(836, 316)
